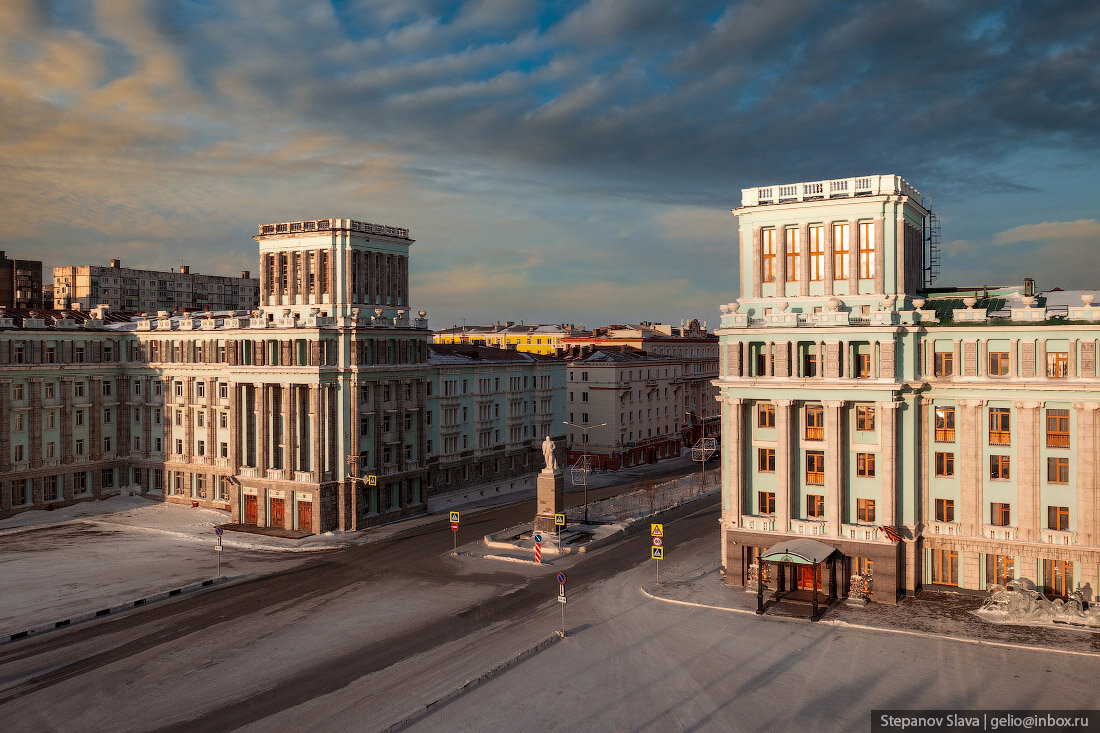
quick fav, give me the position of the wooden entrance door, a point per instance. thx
(278, 518)
(806, 576)
(305, 516)
(249, 508)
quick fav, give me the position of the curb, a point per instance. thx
(471, 684)
(103, 613)
(838, 624)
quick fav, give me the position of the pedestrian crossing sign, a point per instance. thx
(657, 553)
(657, 530)
(372, 480)
(454, 517)
(559, 520)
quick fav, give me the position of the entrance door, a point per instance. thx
(249, 508)
(305, 516)
(278, 519)
(806, 576)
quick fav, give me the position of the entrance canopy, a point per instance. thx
(801, 552)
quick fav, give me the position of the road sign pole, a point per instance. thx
(562, 614)
(658, 571)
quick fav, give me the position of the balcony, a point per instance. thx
(864, 532)
(1000, 437)
(814, 527)
(944, 529)
(759, 524)
(815, 433)
(995, 532)
(276, 474)
(221, 462)
(1057, 440)
(1057, 537)
(945, 435)
(304, 477)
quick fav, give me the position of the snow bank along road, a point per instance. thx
(361, 620)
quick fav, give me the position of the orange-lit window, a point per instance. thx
(945, 424)
(1058, 364)
(815, 467)
(865, 465)
(1058, 518)
(866, 250)
(793, 251)
(998, 363)
(766, 501)
(945, 510)
(944, 363)
(865, 418)
(1057, 428)
(766, 459)
(1058, 470)
(767, 238)
(945, 567)
(1000, 514)
(945, 464)
(865, 510)
(815, 422)
(1000, 467)
(765, 415)
(863, 366)
(1057, 577)
(817, 252)
(1000, 432)
(841, 251)
(815, 505)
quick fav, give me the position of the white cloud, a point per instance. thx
(1052, 231)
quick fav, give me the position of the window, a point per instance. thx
(1058, 470)
(1057, 577)
(179, 446)
(223, 391)
(50, 420)
(107, 444)
(999, 426)
(79, 447)
(17, 453)
(584, 397)
(815, 422)
(863, 366)
(223, 419)
(945, 424)
(767, 242)
(999, 569)
(865, 465)
(106, 387)
(48, 390)
(1057, 364)
(865, 510)
(765, 458)
(177, 388)
(815, 505)
(765, 415)
(841, 250)
(945, 510)
(766, 500)
(866, 250)
(945, 465)
(793, 251)
(817, 252)
(1057, 428)
(945, 567)
(998, 363)
(999, 467)
(1058, 518)
(809, 361)
(200, 419)
(1000, 514)
(17, 392)
(78, 389)
(944, 364)
(865, 418)
(815, 467)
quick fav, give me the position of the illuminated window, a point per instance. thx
(865, 465)
(767, 238)
(999, 467)
(945, 424)
(865, 418)
(866, 250)
(998, 363)
(1000, 432)
(841, 250)
(793, 247)
(863, 366)
(815, 467)
(1057, 364)
(945, 464)
(945, 510)
(1057, 428)
(815, 422)
(817, 252)
(1057, 577)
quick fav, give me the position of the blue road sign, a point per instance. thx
(218, 531)
(561, 578)
(538, 537)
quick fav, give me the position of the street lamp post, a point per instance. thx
(584, 459)
(701, 451)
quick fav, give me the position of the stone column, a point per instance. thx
(970, 466)
(1071, 366)
(263, 434)
(265, 281)
(1041, 358)
(733, 452)
(1088, 489)
(34, 422)
(784, 462)
(189, 412)
(5, 421)
(66, 447)
(285, 425)
(836, 454)
(927, 511)
(757, 272)
(1013, 357)
(1028, 472)
(886, 464)
(880, 256)
(236, 427)
(95, 418)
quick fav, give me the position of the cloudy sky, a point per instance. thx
(556, 162)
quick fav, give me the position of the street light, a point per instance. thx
(584, 459)
(703, 449)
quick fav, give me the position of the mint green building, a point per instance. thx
(858, 403)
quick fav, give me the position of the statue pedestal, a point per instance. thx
(551, 500)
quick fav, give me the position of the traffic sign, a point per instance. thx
(538, 537)
(561, 598)
(218, 531)
(559, 520)
(372, 480)
(561, 578)
(454, 517)
(657, 553)
(656, 541)
(217, 548)
(454, 526)
(657, 530)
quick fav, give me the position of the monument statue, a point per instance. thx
(548, 455)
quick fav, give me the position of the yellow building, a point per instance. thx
(534, 338)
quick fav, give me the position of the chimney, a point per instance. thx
(244, 274)
(185, 270)
(115, 264)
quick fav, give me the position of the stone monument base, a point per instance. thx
(551, 500)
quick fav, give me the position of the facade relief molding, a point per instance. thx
(1027, 405)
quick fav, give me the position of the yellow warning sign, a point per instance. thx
(657, 553)
(657, 530)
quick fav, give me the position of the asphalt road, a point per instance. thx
(236, 655)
